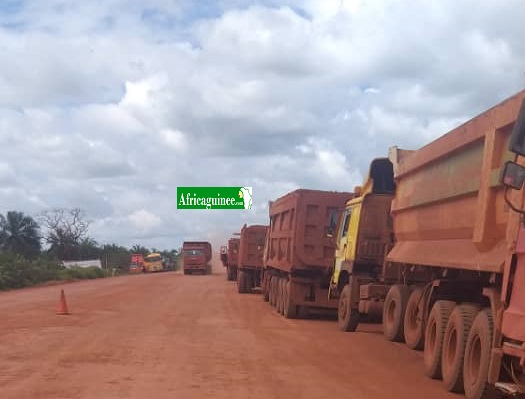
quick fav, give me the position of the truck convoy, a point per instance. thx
(433, 246)
(196, 257)
(250, 259)
(231, 256)
(300, 250)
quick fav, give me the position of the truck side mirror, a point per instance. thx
(513, 175)
(517, 138)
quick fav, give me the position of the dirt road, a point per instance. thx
(174, 336)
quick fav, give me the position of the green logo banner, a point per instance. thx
(214, 198)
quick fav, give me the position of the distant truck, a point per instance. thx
(196, 257)
(137, 263)
(299, 250)
(250, 259)
(434, 247)
(153, 263)
(229, 258)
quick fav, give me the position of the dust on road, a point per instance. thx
(173, 336)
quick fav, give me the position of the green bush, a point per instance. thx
(18, 272)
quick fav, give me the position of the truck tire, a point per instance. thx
(394, 312)
(275, 279)
(477, 357)
(434, 332)
(270, 289)
(241, 286)
(290, 309)
(266, 289)
(347, 317)
(281, 296)
(413, 326)
(454, 341)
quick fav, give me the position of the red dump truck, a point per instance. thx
(137, 263)
(438, 253)
(196, 257)
(250, 260)
(299, 250)
(231, 257)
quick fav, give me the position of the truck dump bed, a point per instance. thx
(251, 246)
(298, 232)
(202, 245)
(449, 208)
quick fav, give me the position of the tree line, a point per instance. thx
(32, 249)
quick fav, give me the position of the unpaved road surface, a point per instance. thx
(174, 336)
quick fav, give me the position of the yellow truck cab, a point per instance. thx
(364, 236)
(153, 262)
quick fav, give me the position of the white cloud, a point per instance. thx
(144, 220)
(112, 105)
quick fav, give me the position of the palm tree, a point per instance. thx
(19, 234)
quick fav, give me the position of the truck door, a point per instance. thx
(342, 245)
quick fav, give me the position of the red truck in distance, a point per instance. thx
(196, 257)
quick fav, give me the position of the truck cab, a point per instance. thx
(364, 233)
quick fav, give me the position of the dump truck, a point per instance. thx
(299, 250)
(433, 248)
(137, 264)
(250, 259)
(231, 258)
(196, 257)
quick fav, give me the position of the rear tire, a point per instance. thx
(394, 312)
(282, 283)
(413, 326)
(454, 342)
(273, 292)
(434, 332)
(242, 283)
(277, 294)
(266, 289)
(477, 357)
(347, 318)
(290, 309)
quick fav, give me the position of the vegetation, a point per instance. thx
(24, 261)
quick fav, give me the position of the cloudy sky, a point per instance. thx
(110, 105)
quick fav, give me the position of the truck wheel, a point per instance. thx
(394, 312)
(477, 357)
(290, 309)
(454, 341)
(276, 293)
(413, 326)
(275, 280)
(279, 296)
(241, 287)
(270, 290)
(266, 289)
(347, 318)
(283, 296)
(434, 332)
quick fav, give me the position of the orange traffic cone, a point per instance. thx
(62, 305)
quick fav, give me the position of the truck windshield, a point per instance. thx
(153, 259)
(193, 252)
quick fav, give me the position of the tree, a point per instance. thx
(66, 228)
(115, 256)
(139, 249)
(19, 234)
(88, 248)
